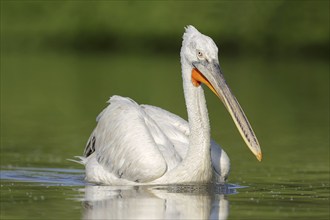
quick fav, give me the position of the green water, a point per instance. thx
(49, 103)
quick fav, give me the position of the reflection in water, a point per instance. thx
(157, 202)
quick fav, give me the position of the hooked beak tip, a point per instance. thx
(259, 156)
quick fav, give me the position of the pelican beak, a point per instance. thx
(210, 74)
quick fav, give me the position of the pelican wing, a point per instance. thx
(129, 144)
(174, 127)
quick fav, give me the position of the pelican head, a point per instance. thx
(201, 53)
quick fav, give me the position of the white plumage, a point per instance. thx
(142, 144)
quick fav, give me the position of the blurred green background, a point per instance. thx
(267, 28)
(62, 60)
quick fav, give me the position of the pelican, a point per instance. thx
(136, 144)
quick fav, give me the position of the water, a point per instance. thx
(49, 103)
(62, 193)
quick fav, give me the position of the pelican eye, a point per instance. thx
(200, 55)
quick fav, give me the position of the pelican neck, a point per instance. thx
(198, 156)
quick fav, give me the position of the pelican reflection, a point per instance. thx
(156, 202)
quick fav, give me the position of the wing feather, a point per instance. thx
(129, 144)
(173, 126)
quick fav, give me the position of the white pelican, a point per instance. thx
(142, 144)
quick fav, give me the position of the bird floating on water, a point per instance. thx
(136, 144)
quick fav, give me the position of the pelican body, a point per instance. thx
(136, 144)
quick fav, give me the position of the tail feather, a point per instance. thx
(80, 160)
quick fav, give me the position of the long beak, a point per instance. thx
(210, 74)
